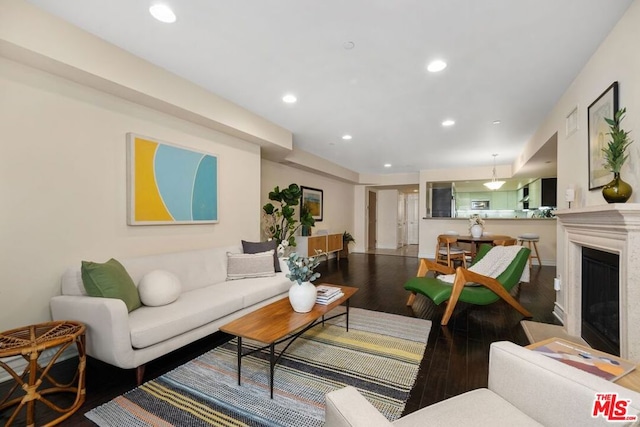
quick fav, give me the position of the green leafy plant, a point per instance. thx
(347, 238)
(278, 220)
(301, 269)
(615, 152)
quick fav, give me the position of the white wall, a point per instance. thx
(338, 196)
(615, 60)
(387, 215)
(63, 186)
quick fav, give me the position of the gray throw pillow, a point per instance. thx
(257, 247)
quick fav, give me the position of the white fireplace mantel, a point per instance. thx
(613, 228)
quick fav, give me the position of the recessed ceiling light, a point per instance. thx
(448, 123)
(387, 165)
(162, 13)
(346, 137)
(437, 65)
(496, 122)
(348, 45)
(289, 99)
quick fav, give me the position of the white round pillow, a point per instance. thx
(159, 287)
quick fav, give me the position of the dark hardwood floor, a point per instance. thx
(456, 357)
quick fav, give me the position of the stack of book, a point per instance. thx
(328, 294)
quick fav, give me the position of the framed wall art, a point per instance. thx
(604, 107)
(312, 199)
(170, 184)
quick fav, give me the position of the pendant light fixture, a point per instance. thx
(494, 184)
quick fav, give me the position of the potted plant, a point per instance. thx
(302, 294)
(346, 239)
(278, 220)
(615, 154)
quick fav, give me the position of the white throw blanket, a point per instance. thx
(493, 264)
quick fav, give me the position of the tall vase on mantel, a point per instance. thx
(617, 191)
(615, 155)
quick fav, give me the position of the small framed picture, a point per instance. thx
(312, 200)
(604, 107)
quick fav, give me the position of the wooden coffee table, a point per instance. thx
(277, 322)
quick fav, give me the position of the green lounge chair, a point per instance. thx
(489, 290)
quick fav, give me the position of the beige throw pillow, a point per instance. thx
(242, 266)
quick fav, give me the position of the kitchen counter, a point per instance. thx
(489, 219)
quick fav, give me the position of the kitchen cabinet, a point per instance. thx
(463, 201)
(500, 200)
(535, 194)
(542, 192)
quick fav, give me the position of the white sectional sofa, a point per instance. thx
(206, 302)
(525, 389)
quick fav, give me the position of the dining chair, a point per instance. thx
(504, 242)
(447, 253)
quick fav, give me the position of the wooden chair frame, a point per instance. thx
(464, 276)
(447, 241)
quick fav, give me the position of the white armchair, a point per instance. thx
(525, 389)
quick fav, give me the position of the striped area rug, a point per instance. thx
(380, 356)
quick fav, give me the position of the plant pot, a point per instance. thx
(617, 191)
(476, 231)
(344, 253)
(302, 297)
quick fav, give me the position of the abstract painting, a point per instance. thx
(169, 184)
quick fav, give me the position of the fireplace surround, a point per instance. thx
(613, 228)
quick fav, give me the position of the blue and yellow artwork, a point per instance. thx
(170, 184)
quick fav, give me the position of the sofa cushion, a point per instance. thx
(257, 247)
(159, 287)
(195, 269)
(242, 266)
(480, 407)
(255, 290)
(151, 325)
(110, 280)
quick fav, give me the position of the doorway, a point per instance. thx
(372, 210)
(413, 219)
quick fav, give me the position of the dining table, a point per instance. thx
(477, 241)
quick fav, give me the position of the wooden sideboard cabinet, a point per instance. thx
(323, 243)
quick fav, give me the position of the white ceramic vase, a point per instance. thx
(302, 297)
(476, 231)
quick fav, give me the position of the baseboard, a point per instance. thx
(19, 364)
(558, 312)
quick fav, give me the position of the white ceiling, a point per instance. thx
(507, 60)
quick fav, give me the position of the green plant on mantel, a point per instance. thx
(615, 153)
(278, 220)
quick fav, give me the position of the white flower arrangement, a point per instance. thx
(302, 269)
(475, 219)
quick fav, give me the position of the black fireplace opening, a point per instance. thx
(601, 300)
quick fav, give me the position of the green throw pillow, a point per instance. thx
(110, 280)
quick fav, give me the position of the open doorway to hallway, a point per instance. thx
(393, 220)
